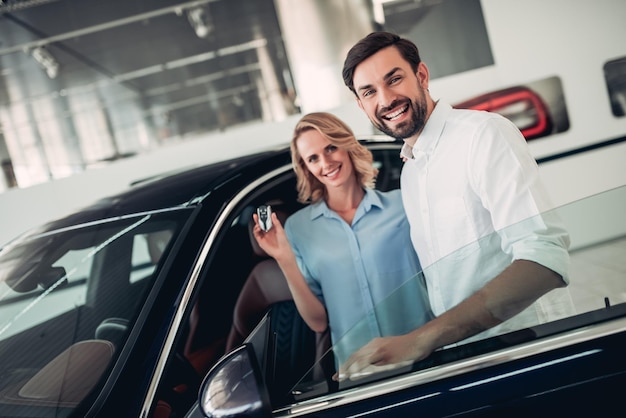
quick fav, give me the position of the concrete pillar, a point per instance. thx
(317, 35)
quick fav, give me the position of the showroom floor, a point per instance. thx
(597, 272)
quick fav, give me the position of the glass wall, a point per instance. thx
(86, 83)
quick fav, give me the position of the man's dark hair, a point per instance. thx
(370, 45)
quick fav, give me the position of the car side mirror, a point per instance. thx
(234, 387)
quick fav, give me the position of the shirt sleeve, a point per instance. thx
(506, 177)
(297, 246)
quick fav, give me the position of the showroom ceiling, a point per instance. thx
(177, 54)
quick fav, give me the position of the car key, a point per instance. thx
(264, 212)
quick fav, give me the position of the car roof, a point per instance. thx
(184, 187)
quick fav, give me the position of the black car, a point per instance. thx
(157, 303)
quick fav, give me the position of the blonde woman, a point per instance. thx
(347, 255)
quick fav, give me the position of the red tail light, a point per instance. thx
(519, 104)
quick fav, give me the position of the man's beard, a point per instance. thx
(409, 128)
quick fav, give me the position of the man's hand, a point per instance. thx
(516, 288)
(383, 354)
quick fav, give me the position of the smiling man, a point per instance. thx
(475, 204)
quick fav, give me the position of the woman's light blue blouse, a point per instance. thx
(366, 274)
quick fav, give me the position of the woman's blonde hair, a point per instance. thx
(310, 189)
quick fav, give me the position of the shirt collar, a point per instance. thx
(370, 199)
(429, 137)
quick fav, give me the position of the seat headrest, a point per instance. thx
(112, 329)
(70, 376)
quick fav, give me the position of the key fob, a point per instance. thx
(264, 212)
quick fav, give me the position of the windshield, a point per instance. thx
(559, 311)
(68, 299)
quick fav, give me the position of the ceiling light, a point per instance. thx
(45, 59)
(197, 18)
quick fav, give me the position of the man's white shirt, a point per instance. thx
(475, 203)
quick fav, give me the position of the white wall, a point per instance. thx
(571, 39)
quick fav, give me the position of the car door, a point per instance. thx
(566, 365)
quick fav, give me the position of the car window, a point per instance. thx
(68, 298)
(389, 164)
(561, 311)
(560, 350)
(25, 308)
(615, 77)
(146, 253)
